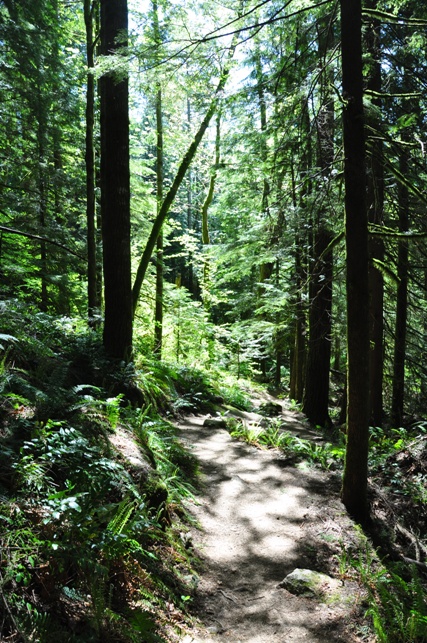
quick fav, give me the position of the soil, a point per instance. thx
(259, 518)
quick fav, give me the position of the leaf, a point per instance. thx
(7, 338)
(72, 504)
(4, 337)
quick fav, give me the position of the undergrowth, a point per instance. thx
(272, 435)
(90, 545)
(394, 595)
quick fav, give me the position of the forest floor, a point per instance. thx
(259, 518)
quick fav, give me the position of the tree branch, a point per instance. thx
(37, 237)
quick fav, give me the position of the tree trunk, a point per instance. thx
(158, 317)
(158, 312)
(115, 188)
(298, 352)
(375, 206)
(354, 490)
(267, 267)
(402, 300)
(316, 390)
(42, 192)
(92, 290)
(205, 208)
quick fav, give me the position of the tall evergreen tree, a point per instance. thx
(115, 188)
(179, 177)
(375, 205)
(316, 390)
(400, 338)
(90, 9)
(158, 314)
(354, 490)
(39, 117)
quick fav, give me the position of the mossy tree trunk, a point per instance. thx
(205, 208)
(158, 316)
(179, 177)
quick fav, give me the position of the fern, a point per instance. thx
(99, 603)
(122, 517)
(397, 607)
(142, 622)
(35, 625)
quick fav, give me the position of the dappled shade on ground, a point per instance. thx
(259, 521)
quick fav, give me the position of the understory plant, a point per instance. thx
(78, 528)
(396, 600)
(273, 435)
(88, 552)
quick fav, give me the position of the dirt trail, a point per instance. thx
(260, 519)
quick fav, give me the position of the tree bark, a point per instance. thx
(206, 204)
(354, 490)
(158, 317)
(375, 206)
(92, 290)
(316, 390)
(115, 188)
(158, 309)
(43, 191)
(298, 352)
(402, 300)
(299, 349)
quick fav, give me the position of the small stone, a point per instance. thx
(215, 423)
(270, 409)
(309, 583)
(217, 399)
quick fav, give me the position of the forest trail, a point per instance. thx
(260, 519)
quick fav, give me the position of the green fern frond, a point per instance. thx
(122, 517)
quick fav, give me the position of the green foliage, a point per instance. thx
(191, 336)
(233, 392)
(74, 521)
(62, 488)
(325, 455)
(171, 460)
(84, 516)
(155, 380)
(391, 453)
(195, 390)
(397, 603)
